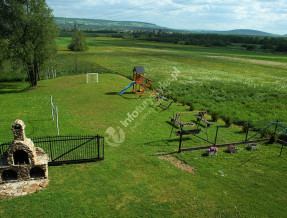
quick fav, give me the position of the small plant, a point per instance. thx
(212, 151)
(232, 149)
(184, 102)
(273, 138)
(214, 116)
(227, 121)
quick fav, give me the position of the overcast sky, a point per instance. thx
(265, 15)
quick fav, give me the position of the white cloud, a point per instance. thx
(265, 15)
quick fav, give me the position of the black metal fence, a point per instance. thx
(68, 149)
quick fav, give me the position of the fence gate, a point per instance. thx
(68, 149)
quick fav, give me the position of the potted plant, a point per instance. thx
(232, 149)
(212, 151)
(252, 146)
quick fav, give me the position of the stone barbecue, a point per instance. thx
(23, 161)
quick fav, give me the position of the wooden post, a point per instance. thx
(215, 140)
(281, 150)
(57, 113)
(276, 126)
(180, 141)
(52, 107)
(247, 131)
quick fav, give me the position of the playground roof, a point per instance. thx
(139, 69)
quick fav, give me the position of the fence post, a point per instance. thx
(103, 148)
(276, 126)
(52, 107)
(247, 131)
(57, 112)
(215, 140)
(51, 149)
(98, 143)
(180, 141)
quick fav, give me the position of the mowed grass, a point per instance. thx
(247, 86)
(132, 180)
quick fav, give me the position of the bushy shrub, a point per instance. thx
(80, 40)
(214, 116)
(283, 137)
(273, 138)
(191, 107)
(227, 121)
(250, 47)
(265, 134)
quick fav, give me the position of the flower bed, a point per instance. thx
(212, 151)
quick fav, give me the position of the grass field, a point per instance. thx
(247, 86)
(244, 85)
(132, 180)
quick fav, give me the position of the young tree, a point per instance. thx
(28, 27)
(79, 37)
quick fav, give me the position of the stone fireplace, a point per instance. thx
(23, 161)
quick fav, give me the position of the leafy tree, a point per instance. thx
(4, 53)
(29, 29)
(79, 37)
(250, 47)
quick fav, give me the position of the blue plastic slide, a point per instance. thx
(125, 89)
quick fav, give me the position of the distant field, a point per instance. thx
(247, 86)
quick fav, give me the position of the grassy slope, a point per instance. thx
(247, 86)
(131, 181)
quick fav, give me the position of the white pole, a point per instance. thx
(52, 107)
(97, 77)
(58, 131)
(87, 78)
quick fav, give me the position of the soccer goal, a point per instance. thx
(92, 77)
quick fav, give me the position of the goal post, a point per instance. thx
(92, 77)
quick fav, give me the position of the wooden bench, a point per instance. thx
(207, 122)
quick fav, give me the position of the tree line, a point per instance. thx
(278, 44)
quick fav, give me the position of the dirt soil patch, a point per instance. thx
(177, 163)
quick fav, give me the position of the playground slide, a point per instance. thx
(125, 89)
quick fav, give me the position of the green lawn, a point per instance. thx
(247, 86)
(132, 180)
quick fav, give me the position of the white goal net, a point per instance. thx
(92, 77)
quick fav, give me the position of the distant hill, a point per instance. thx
(97, 24)
(246, 32)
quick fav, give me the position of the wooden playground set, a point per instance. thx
(143, 86)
